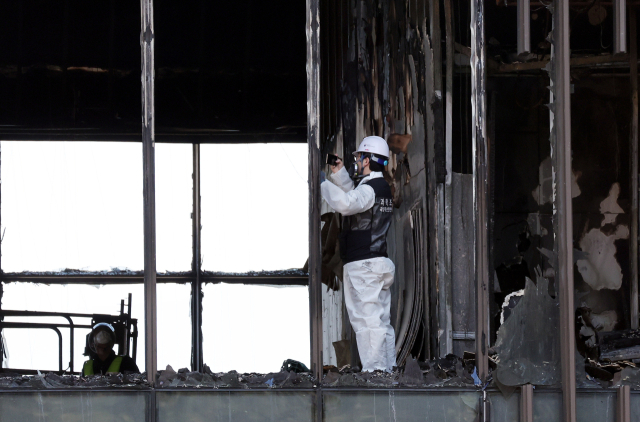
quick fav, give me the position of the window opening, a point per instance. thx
(174, 169)
(71, 205)
(254, 207)
(251, 328)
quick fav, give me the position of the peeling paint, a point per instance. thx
(543, 193)
(610, 207)
(601, 270)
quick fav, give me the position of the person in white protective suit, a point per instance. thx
(366, 211)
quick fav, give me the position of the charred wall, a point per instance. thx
(377, 80)
(523, 192)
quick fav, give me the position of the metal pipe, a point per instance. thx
(481, 185)
(524, 25)
(526, 403)
(41, 324)
(149, 194)
(619, 26)
(633, 152)
(623, 404)
(563, 207)
(313, 135)
(53, 327)
(197, 360)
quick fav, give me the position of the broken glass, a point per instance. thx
(74, 406)
(198, 406)
(174, 199)
(345, 406)
(71, 205)
(528, 346)
(250, 328)
(254, 207)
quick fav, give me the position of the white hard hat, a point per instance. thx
(374, 145)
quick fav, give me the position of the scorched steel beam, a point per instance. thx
(563, 224)
(313, 139)
(149, 186)
(481, 195)
(197, 361)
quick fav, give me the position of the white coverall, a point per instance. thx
(367, 282)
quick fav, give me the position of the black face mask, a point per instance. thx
(354, 175)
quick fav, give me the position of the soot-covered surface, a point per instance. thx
(169, 378)
(51, 380)
(451, 371)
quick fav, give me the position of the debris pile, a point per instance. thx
(450, 371)
(293, 272)
(169, 378)
(51, 380)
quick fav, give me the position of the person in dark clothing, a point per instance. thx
(106, 361)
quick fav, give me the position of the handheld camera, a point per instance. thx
(332, 159)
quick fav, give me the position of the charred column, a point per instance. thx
(481, 185)
(623, 404)
(619, 26)
(197, 362)
(313, 140)
(524, 23)
(563, 207)
(633, 150)
(149, 188)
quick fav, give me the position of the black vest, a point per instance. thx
(364, 235)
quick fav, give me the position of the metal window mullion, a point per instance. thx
(563, 207)
(197, 360)
(623, 405)
(148, 159)
(524, 23)
(619, 26)
(526, 403)
(481, 196)
(633, 150)
(313, 139)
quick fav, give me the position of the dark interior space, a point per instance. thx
(230, 72)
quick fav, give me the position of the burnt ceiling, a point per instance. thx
(225, 71)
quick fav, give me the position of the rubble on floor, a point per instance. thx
(169, 378)
(528, 348)
(51, 380)
(450, 371)
(297, 272)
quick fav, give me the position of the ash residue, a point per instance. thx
(450, 371)
(51, 380)
(293, 272)
(113, 272)
(184, 378)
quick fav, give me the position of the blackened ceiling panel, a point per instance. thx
(225, 71)
(69, 67)
(231, 67)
